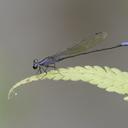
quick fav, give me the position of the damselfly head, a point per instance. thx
(35, 64)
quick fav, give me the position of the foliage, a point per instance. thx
(110, 79)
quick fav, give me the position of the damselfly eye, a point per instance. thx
(35, 61)
(35, 64)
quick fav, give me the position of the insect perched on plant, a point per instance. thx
(77, 50)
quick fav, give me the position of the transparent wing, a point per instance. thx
(82, 46)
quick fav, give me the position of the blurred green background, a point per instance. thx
(32, 29)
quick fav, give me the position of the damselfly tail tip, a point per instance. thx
(125, 43)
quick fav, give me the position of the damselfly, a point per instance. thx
(76, 50)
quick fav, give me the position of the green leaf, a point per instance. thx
(110, 79)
